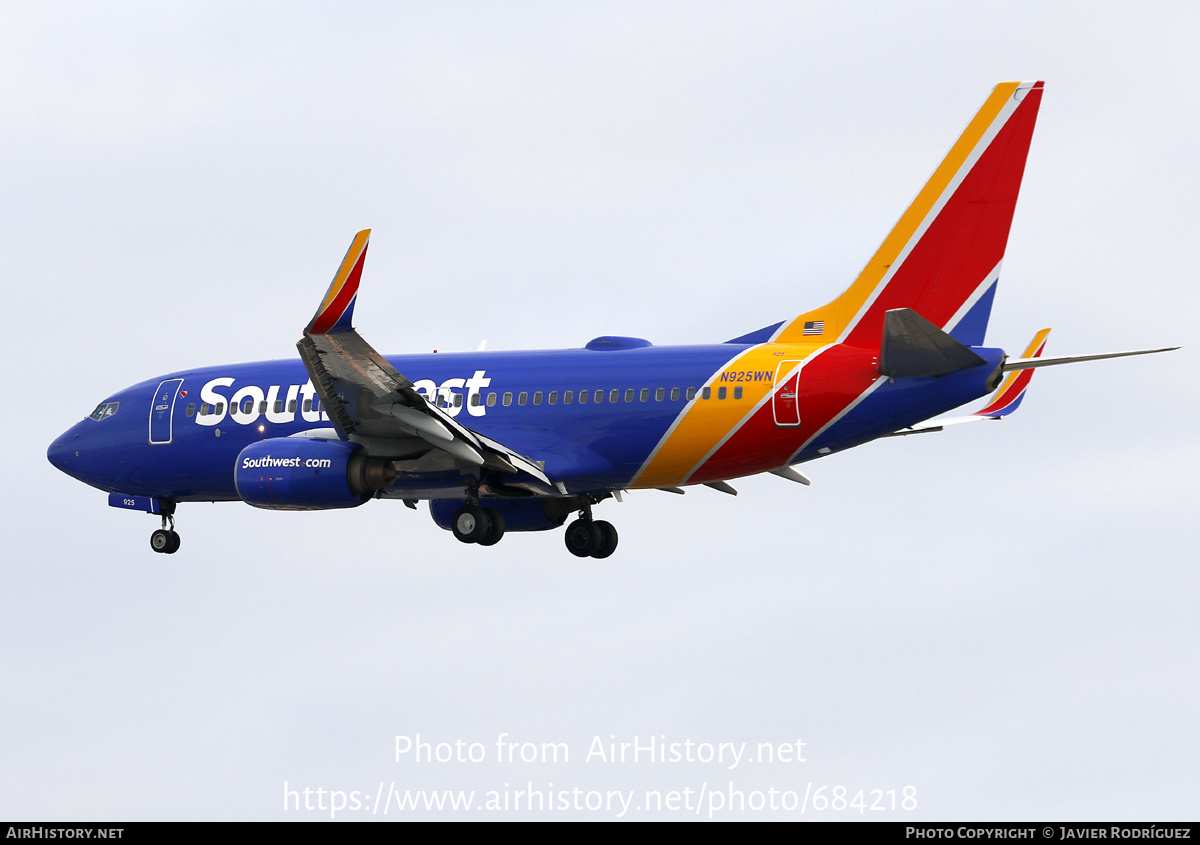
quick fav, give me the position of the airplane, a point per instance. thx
(502, 442)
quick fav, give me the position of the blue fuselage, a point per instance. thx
(177, 437)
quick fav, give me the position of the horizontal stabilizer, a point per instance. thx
(1030, 363)
(930, 426)
(913, 347)
(1004, 401)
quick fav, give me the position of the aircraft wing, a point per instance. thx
(370, 402)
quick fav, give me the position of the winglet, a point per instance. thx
(337, 308)
(1012, 390)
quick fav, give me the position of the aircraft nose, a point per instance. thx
(63, 451)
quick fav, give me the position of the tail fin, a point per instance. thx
(1011, 391)
(942, 259)
(337, 308)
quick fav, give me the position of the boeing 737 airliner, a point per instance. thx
(519, 441)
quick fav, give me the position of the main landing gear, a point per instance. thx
(165, 541)
(473, 524)
(586, 537)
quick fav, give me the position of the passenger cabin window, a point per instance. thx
(737, 392)
(457, 400)
(537, 398)
(292, 406)
(583, 397)
(706, 393)
(491, 403)
(691, 393)
(674, 394)
(614, 395)
(645, 394)
(507, 398)
(307, 406)
(191, 409)
(204, 409)
(598, 396)
(279, 406)
(220, 408)
(522, 398)
(568, 397)
(262, 407)
(629, 394)
(660, 394)
(553, 397)
(720, 392)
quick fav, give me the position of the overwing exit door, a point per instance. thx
(785, 400)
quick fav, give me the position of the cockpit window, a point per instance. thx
(104, 410)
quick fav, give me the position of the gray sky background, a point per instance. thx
(1002, 616)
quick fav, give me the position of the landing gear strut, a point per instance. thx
(586, 537)
(165, 541)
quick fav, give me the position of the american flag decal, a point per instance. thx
(814, 327)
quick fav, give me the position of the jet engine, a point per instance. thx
(302, 473)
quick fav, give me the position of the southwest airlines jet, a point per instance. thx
(520, 441)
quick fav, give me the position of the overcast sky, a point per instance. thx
(1002, 617)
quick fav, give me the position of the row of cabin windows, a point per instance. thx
(247, 406)
(597, 396)
(568, 397)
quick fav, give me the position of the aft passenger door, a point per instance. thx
(785, 400)
(162, 407)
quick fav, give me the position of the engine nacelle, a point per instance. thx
(532, 514)
(303, 473)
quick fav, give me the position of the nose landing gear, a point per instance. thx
(165, 541)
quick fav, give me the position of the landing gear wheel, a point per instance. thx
(165, 541)
(497, 520)
(608, 538)
(582, 538)
(161, 541)
(470, 524)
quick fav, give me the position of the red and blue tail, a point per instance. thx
(942, 259)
